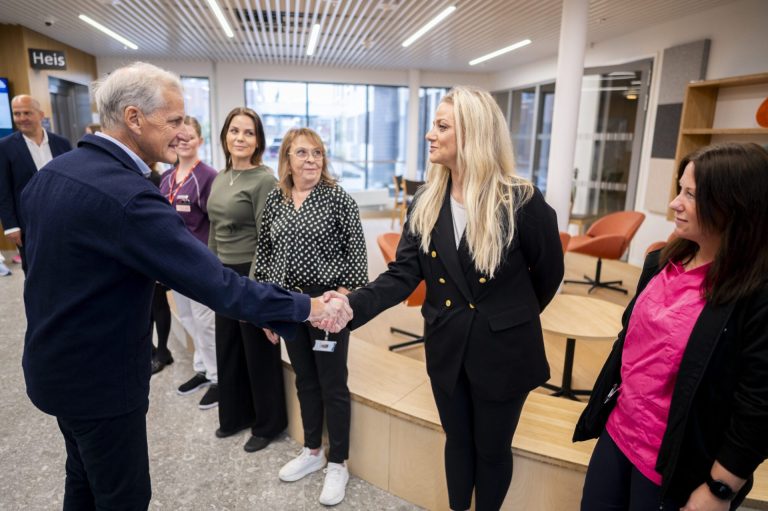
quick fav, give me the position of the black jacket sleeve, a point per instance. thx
(540, 242)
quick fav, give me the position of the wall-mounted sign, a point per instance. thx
(47, 59)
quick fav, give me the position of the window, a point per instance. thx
(609, 137)
(529, 116)
(281, 106)
(362, 126)
(197, 103)
(521, 129)
(338, 114)
(387, 119)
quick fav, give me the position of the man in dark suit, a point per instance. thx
(21, 155)
(98, 236)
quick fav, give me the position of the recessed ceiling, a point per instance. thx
(360, 34)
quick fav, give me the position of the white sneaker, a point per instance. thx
(303, 464)
(335, 485)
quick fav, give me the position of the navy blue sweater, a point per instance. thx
(98, 235)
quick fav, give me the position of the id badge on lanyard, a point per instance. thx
(324, 344)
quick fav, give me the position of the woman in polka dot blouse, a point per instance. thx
(311, 240)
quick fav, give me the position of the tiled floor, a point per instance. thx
(191, 468)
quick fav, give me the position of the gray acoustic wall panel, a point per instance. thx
(666, 129)
(682, 64)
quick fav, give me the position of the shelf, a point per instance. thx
(698, 116)
(736, 81)
(724, 131)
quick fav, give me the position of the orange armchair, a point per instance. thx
(388, 245)
(657, 245)
(607, 238)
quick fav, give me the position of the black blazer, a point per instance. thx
(490, 326)
(16, 169)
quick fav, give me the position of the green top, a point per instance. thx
(234, 207)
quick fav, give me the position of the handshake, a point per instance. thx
(330, 312)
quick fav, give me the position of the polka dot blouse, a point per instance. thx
(321, 244)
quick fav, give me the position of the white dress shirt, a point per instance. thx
(41, 154)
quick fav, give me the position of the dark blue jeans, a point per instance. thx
(614, 484)
(107, 462)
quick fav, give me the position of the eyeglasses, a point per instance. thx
(303, 154)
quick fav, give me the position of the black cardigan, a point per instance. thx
(719, 407)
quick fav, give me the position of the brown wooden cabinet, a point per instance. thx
(719, 110)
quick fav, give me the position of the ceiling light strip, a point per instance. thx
(214, 5)
(386, 29)
(429, 26)
(313, 37)
(524, 42)
(110, 33)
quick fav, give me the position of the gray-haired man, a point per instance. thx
(99, 235)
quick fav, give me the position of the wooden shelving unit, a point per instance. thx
(697, 120)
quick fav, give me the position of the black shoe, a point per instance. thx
(158, 365)
(197, 382)
(210, 398)
(256, 443)
(220, 433)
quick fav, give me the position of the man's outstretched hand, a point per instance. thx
(330, 312)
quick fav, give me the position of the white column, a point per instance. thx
(414, 134)
(570, 69)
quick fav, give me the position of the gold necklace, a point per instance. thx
(232, 178)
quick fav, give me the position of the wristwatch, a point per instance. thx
(719, 489)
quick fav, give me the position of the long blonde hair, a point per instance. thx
(492, 192)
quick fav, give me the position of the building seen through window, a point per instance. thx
(364, 127)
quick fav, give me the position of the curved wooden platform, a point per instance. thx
(397, 440)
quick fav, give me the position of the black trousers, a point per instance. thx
(161, 318)
(614, 484)
(321, 385)
(478, 445)
(107, 463)
(251, 390)
(22, 254)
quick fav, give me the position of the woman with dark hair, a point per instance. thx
(250, 370)
(680, 406)
(312, 241)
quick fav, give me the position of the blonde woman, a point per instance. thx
(312, 241)
(487, 246)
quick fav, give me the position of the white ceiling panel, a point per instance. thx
(359, 34)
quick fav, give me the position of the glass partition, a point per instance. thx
(363, 127)
(197, 103)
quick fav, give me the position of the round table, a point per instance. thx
(579, 317)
